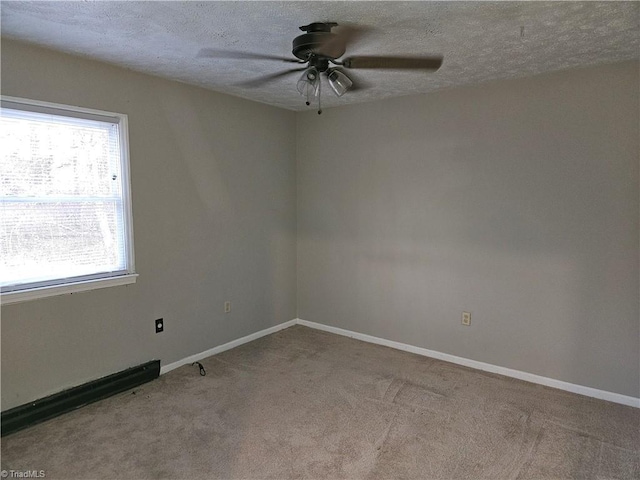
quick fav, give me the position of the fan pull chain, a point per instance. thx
(319, 91)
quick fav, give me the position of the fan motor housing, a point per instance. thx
(318, 35)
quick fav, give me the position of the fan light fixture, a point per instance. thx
(339, 82)
(309, 84)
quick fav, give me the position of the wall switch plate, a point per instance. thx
(227, 307)
(159, 325)
(466, 318)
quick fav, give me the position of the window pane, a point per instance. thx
(44, 241)
(48, 155)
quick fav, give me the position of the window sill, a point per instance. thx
(67, 288)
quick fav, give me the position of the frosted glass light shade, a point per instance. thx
(339, 82)
(309, 82)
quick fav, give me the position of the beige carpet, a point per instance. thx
(308, 404)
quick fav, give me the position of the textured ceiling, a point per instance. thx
(480, 41)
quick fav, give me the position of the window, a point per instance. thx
(65, 210)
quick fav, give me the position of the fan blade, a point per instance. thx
(397, 63)
(213, 53)
(256, 82)
(344, 35)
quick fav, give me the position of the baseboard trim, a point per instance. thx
(487, 367)
(226, 346)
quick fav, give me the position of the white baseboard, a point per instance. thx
(487, 367)
(227, 346)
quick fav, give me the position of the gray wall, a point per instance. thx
(213, 181)
(515, 200)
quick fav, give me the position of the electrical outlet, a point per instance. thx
(227, 306)
(159, 325)
(466, 318)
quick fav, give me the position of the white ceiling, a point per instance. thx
(480, 41)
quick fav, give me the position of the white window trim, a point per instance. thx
(67, 288)
(130, 276)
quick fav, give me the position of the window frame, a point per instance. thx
(70, 285)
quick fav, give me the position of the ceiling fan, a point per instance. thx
(319, 50)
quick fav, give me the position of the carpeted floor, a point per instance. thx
(307, 404)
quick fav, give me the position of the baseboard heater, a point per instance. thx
(46, 408)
